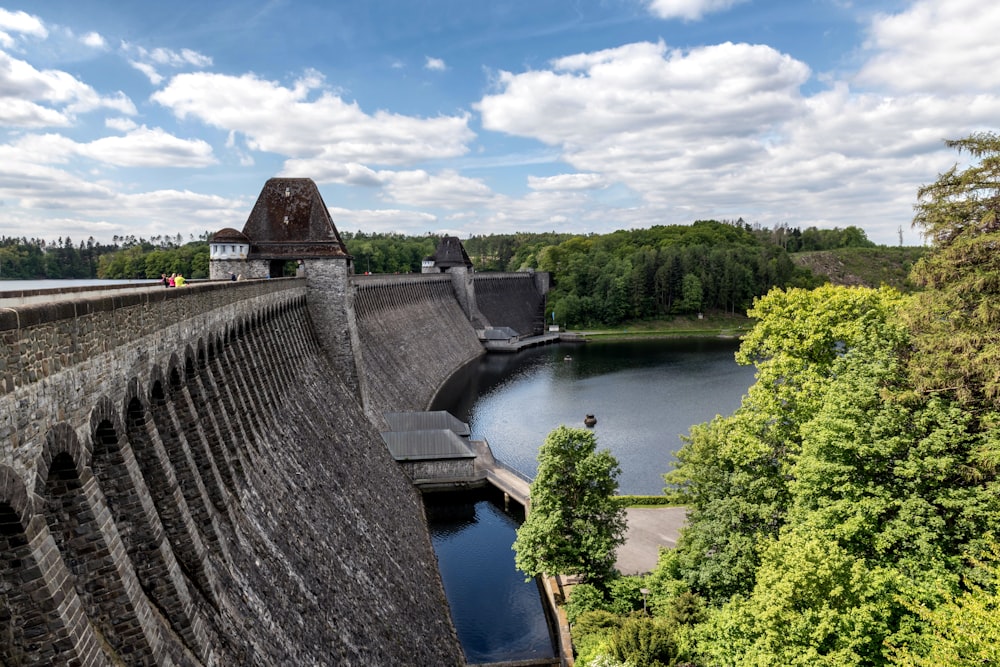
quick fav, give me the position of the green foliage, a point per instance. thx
(643, 501)
(834, 515)
(692, 294)
(812, 238)
(864, 267)
(585, 598)
(642, 640)
(813, 604)
(963, 630)
(733, 472)
(143, 260)
(591, 631)
(956, 321)
(34, 259)
(510, 252)
(664, 270)
(574, 525)
(686, 609)
(625, 594)
(388, 253)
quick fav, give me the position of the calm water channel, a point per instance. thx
(645, 395)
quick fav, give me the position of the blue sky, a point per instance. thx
(468, 117)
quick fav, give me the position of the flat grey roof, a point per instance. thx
(426, 421)
(427, 444)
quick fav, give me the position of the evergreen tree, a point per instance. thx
(956, 321)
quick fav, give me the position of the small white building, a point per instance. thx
(228, 251)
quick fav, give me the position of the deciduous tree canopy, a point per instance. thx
(840, 516)
(574, 526)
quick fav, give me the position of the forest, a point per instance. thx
(598, 279)
(845, 514)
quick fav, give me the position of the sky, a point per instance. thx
(468, 117)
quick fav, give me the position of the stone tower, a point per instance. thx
(451, 258)
(229, 249)
(290, 232)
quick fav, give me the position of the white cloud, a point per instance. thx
(726, 131)
(93, 40)
(435, 64)
(307, 121)
(327, 171)
(174, 58)
(567, 182)
(619, 95)
(383, 220)
(16, 112)
(120, 124)
(37, 98)
(689, 10)
(22, 22)
(148, 60)
(52, 202)
(154, 77)
(139, 147)
(145, 147)
(935, 46)
(447, 189)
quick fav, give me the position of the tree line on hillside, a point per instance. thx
(846, 513)
(32, 259)
(664, 270)
(759, 251)
(129, 257)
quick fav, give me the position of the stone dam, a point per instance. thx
(195, 476)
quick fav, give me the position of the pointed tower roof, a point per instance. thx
(450, 252)
(291, 221)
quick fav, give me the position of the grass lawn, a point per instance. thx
(711, 324)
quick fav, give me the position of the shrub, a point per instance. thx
(591, 632)
(584, 598)
(645, 641)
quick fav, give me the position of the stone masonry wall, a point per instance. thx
(512, 300)
(413, 335)
(185, 480)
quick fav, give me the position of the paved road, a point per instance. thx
(649, 528)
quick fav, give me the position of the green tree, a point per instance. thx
(963, 630)
(574, 525)
(691, 294)
(734, 472)
(957, 319)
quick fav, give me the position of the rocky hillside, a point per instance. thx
(863, 266)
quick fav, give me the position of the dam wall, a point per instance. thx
(515, 300)
(185, 480)
(412, 335)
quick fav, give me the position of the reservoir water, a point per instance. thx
(645, 395)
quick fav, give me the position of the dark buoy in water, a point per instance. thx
(589, 420)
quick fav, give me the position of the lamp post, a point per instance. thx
(645, 592)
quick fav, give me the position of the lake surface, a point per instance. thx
(12, 285)
(645, 394)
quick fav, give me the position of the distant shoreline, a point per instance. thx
(728, 326)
